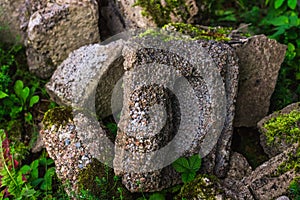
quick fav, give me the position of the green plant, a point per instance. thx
(187, 167)
(12, 180)
(294, 188)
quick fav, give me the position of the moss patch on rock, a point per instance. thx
(101, 181)
(58, 116)
(203, 187)
(161, 14)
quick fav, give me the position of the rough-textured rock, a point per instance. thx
(9, 18)
(259, 60)
(56, 30)
(187, 60)
(87, 69)
(265, 183)
(134, 17)
(279, 146)
(283, 198)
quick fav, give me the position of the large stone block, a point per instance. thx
(56, 30)
(259, 60)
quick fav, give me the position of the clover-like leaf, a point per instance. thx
(292, 4)
(194, 162)
(33, 100)
(181, 165)
(188, 177)
(278, 3)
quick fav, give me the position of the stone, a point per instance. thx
(265, 182)
(137, 145)
(56, 30)
(259, 60)
(72, 139)
(283, 198)
(87, 69)
(9, 18)
(279, 146)
(135, 18)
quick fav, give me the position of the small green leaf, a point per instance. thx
(25, 94)
(291, 47)
(157, 196)
(267, 2)
(34, 164)
(188, 177)
(279, 21)
(278, 3)
(3, 94)
(34, 173)
(36, 182)
(18, 87)
(194, 162)
(33, 100)
(181, 165)
(25, 169)
(292, 4)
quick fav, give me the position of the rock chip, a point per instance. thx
(56, 30)
(259, 60)
(279, 146)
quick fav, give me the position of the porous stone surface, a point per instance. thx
(265, 183)
(259, 60)
(87, 77)
(278, 146)
(188, 61)
(56, 30)
(72, 141)
(227, 63)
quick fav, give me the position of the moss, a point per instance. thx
(283, 127)
(182, 31)
(202, 187)
(161, 14)
(100, 180)
(57, 116)
(199, 32)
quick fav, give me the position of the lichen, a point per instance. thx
(161, 14)
(58, 116)
(99, 179)
(202, 187)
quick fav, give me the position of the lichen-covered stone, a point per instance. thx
(56, 30)
(147, 14)
(279, 144)
(72, 139)
(259, 60)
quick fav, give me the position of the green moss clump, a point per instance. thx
(161, 14)
(100, 180)
(202, 187)
(57, 116)
(284, 127)
(201, 33)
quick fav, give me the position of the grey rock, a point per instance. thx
(87, 77)
(188, 61)
(278, 146)
(56, 30)
(265, 183)
(134, 18)
(283, 198)
(259, 60)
